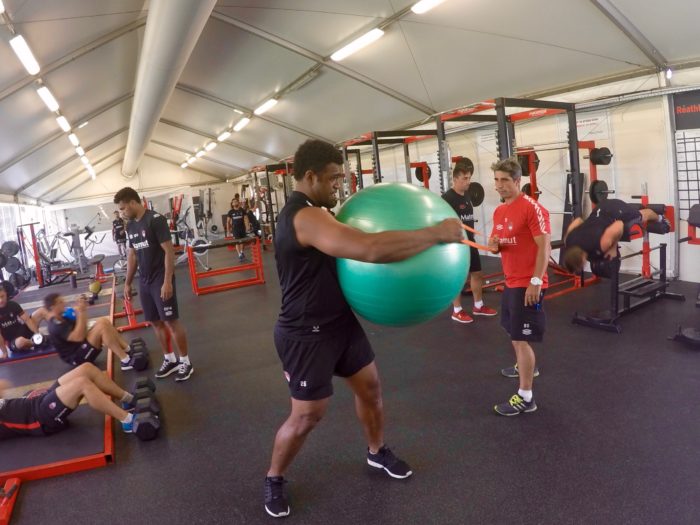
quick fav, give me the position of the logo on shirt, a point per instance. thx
(303, 384)
(52, 405)
(499, 227)
(316, 329)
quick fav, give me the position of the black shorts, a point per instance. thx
(51, 413)
(154, 308)
(23, 331)
(523, 323)
(619, 210)
(474, 260)
(85, 354)
(309, 366)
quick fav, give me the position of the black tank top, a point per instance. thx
(313, 305)
(588, 235)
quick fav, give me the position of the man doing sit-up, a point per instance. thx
(45, 412)
(611, 222)
(75, 343)
(16, 326)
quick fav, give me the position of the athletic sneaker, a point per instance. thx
(462, 317)
(184, 371)
(484, 310)
(129, 365)
(276, 504)
(385, 459)
(167, 368)
(512, 371)
(129, 427)
(515, 405)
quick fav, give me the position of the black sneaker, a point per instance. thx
(167, 368)
(184, 371)
(386, 460)
(276, 504)
(515, 405)
(512, 371)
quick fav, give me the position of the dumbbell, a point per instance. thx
(146, 410)
(139, 353)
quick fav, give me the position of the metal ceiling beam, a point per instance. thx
(325, 61)
(632, 32)
(67, 161)
(212, 137)
(83, 182)
(218, 177)
(73, 55)
(213, 98)
(36, 147)
(208, 159)
(65, 181)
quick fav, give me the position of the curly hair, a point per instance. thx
(315, 155)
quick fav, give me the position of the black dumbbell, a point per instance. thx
(139, 353)
(146, 410)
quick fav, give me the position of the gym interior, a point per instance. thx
(200, 108)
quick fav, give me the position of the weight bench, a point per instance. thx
(691, 335)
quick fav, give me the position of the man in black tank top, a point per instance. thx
(597, 237)
(317, 336)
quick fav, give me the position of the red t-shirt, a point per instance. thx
(516, 225)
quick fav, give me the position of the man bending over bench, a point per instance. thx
(597, 237)
(45, 412)
(74, 342)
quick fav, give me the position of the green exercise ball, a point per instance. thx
(413, 290)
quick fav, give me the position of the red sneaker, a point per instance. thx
(484, 310)
(462, 317)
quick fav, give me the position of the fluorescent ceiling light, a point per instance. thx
(265, 106)
(669, 73)
(357, 44)
(200, 153)
(224, 135)
(48, 98)
(2, 8)
(425, 5)
(238, 111)
(63, 122)
(191, 160)
(184, 165)
(210, 146)
(74, 139)
(21, 49)
(91, 171)
(241, 124)
(80, 151)
(83, 124)
(85, 160)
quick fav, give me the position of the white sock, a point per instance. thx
(171, 357)
(457, 309)
(125, 360)
(129, 418)
(478, 304)
(661, 218)
(525, 394)
(127, 397)
(185, 359)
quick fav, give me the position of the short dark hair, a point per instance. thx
(126, 194)
(5, 287)
(511, 166)
(463, 165)
(50, 300)
(315, 155)
(573, 258)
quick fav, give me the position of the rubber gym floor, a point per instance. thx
(614, 439)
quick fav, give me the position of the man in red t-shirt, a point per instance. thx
(521, 233)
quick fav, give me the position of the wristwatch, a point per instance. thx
(536, 281)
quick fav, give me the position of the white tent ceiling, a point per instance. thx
(461, 52)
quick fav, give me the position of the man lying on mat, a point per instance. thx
(74, 342)
(16, 326)
(45, 411)
(611, 222)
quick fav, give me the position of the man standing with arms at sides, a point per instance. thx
(236, 224)
(119, 233)
(151, 251)
(458, 198)
(317, 336)
(521, 233)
